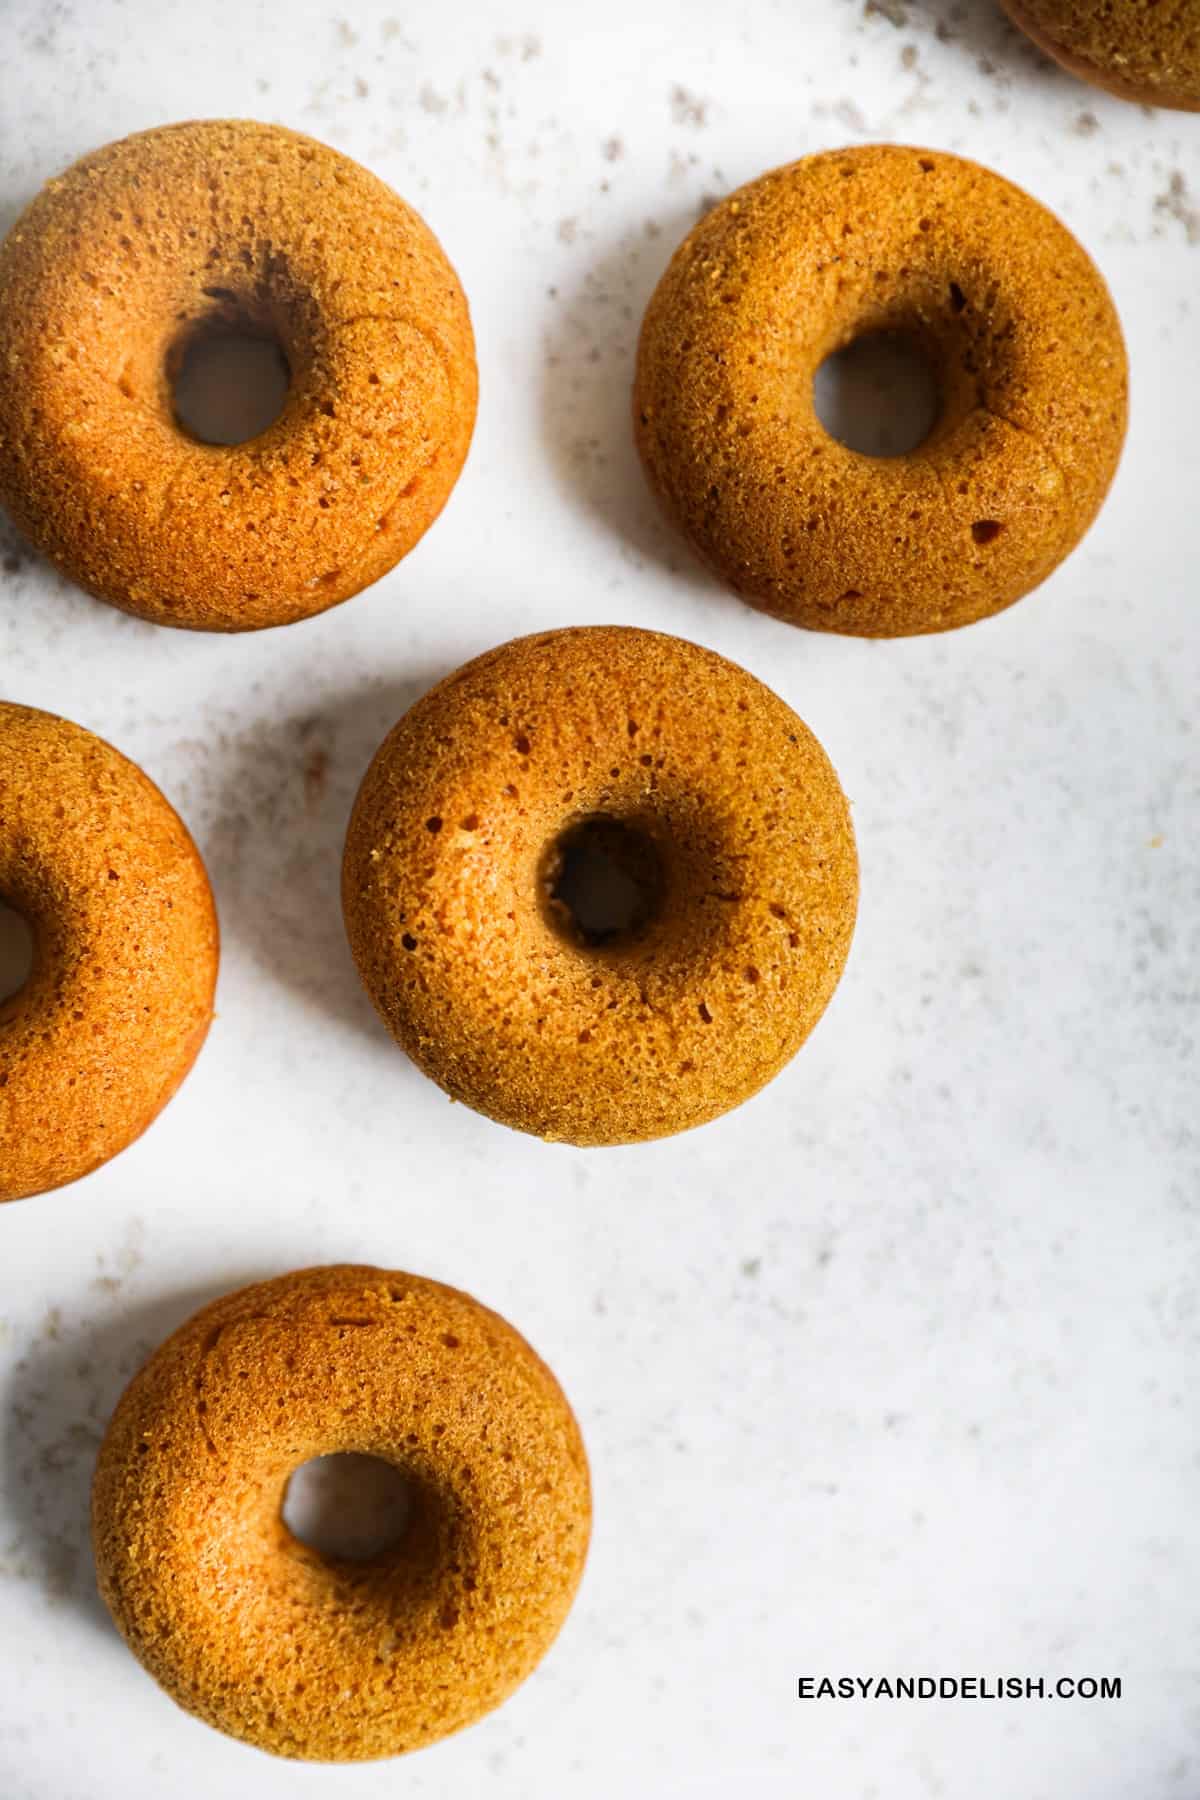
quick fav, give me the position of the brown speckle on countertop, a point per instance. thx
(894, 11)
(688, 108)
(1176, 203)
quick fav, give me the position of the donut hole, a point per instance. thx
(879, 395)
(229, 379)
(16, 951)
(602, 881)
(349, 1507)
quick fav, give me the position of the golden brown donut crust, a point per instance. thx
(317, 1657)
(120, 997)
(1016, 323)
(444, 884)
(1144, 50)
(104, 279)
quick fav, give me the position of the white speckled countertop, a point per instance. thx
(894, 1370)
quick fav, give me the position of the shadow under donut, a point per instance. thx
(53, 1416)
(980, 29)
(274, 850)
(587, 390)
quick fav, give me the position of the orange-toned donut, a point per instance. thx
(119, 266)
(1016, 324)
(125, 952)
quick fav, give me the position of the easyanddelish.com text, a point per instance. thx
(959, 1687)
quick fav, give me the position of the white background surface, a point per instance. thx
(893, 1370)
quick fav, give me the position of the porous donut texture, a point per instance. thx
(453, 849)
(125, 952)
(318, 1657)
(1019, 331)
(123, 261)
(1144, 50)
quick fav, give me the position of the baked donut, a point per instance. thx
(1146, 50)
(138, 253)
(120, 996)
(570, 761)
(321, 1657)
(1018, 329)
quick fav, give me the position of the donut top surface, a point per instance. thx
(322, 1657)
(125, 951)
(1147, 50)
(996, 295)
(729, 809)
(123, 261)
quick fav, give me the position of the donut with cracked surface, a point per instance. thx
(994, 294)
(506, 801)
(170, 238)
(332, 1658)
(120, 995)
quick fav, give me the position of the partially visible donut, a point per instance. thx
(1016, 324)
(119, 265)
(686, 782)
(125, 952)
(1144, 50)
(322, 1657)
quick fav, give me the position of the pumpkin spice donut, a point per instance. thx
(323, 1657)
(987, 287)
(145, 250)
(1145, 50)
(501, 808)
(120, 996)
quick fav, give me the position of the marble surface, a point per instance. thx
(891, 1371)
